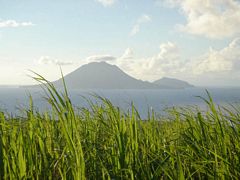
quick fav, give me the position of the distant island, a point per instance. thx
(101, 75)
(172, 83)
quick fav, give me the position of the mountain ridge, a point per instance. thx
(173, 83)
(101, 75)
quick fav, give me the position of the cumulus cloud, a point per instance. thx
(127, 60)
(166, 61)
(14, 24)
(169, 62)
(226, 59)
(107, 3)
(46, 60)
(99, 58)
(215, 66)
(128, 54)
(209, 18)
(141, 20)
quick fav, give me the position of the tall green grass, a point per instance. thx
(103, 142)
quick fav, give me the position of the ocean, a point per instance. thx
(13, 100)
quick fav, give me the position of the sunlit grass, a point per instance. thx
(103, 142)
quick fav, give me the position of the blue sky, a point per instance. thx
(188, 39)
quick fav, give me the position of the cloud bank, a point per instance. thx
(226, 59)
(215, 19)
(221, 63)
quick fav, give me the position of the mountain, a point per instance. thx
(172, 83)
(101, 75)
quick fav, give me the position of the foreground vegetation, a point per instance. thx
(102, 142)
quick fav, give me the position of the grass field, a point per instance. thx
(103, 142)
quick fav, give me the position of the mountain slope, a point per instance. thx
(172, 83)
(101, 75)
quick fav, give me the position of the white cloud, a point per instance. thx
(127, 61)
(107, 3)
(46, 60)
(14, 24)
(98, 58)
(128, 54)
(215, 67)
(167, 61)
(141, 20)
(210, 18)
(226, 59)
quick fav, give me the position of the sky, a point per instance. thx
(193, 40)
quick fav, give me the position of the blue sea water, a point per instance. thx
(13, 99)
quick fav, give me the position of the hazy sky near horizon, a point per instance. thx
(193, 40)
